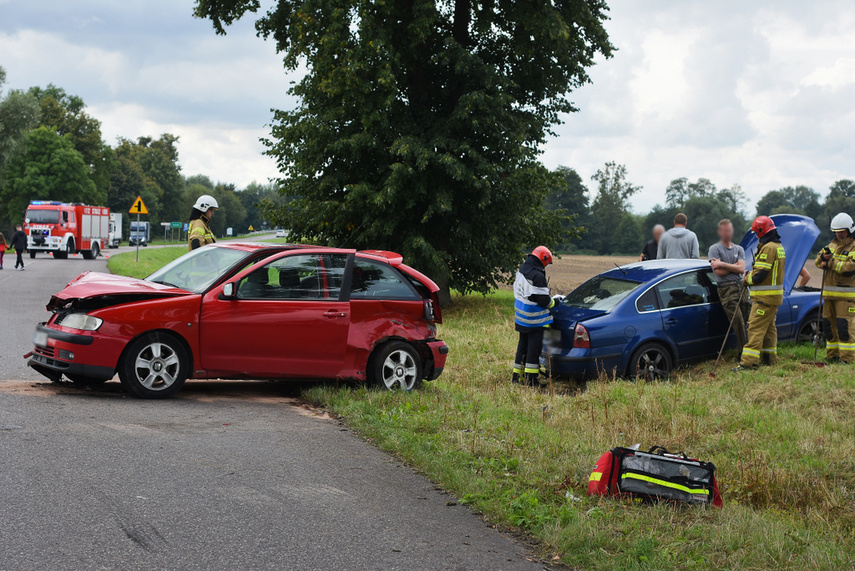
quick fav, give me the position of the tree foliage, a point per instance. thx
(19, 112)
(610, 208)
(419, 122)
(66, 114)
(570, 196)
(48, 167)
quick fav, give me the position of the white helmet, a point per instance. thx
(205, 203)
(842, 222)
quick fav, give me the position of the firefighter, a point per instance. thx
(200, 233)
(766, 283)
(837, 261)
(532, 313)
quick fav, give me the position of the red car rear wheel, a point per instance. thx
(396, 366)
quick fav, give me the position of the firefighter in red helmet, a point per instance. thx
(766, 283)
(532, 313)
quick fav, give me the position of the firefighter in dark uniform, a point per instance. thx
(532, 313)
(837, 261)
(199, 233)
(766, 283)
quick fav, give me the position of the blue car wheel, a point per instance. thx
(651, 361)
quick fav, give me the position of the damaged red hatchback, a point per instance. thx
(249, 311)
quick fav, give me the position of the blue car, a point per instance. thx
(645, 319)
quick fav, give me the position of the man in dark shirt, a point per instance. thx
(650, 250)
(19, 243)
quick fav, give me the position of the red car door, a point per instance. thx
(285, 320)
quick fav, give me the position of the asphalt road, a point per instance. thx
(229, 476)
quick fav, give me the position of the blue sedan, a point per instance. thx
(645, 319)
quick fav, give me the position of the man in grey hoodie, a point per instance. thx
(678, 243)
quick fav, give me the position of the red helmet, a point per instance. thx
(762, 225)
(543, 254)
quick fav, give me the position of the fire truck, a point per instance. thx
(63, 229)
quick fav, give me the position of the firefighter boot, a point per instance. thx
(515, 379)
(531, 379)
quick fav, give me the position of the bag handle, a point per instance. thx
(661, 450)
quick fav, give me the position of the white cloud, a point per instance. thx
(752, 93)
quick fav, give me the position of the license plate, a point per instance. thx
(40, 339)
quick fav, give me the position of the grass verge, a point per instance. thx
(783, 440)
(151, 259)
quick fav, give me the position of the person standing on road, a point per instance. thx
(766, 281)
(2, 249)
(19, 244)
(532, 313)
(728, 262)
(678, 243)
(649, 251)
(837, 261)
(199, 233)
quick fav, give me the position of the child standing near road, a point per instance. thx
(2, 248)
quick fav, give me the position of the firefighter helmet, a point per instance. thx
(205, 202)
(762, 225)
(543, 254)
(842, 222)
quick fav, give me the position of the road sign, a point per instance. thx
(165, 224)
(176, 224)
(186, 226)
(138, 207)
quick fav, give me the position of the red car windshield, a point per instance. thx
(198, 270)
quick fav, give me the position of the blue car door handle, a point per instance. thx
(671, 321)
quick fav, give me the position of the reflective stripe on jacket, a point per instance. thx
(769, 260)
(839, 277)
(199, 230)
(526, 312)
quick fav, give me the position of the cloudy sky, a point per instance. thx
(758, 93)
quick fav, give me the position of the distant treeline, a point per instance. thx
(606, 225)
(51, 148)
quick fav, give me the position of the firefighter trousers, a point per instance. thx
(762, 336)
(529, 349)
(728, 293)
(838, 324)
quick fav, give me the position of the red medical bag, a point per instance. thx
(655, 475)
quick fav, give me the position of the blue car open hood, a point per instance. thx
(798, 235)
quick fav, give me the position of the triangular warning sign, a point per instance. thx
(138, 207)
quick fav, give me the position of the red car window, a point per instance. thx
(295, 277)
(376, 280)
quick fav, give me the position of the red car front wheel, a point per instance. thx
(154, 366)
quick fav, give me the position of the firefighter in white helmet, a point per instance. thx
(837, 261)
(200, 232)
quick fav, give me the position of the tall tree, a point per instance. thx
(19, 112)
(66, 114)
(570, 195)
(254, 197)
(610, 207)
(419, 122)
(841, 198)
(795, 200)
(48, 168)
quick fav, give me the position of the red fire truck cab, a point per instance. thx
(63, 229)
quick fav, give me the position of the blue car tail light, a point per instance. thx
(581, 338)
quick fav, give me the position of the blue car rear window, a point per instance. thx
(601, 293)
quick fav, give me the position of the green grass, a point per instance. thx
(783, 440)
(151, 259)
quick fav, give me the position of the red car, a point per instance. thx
(247, 311)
